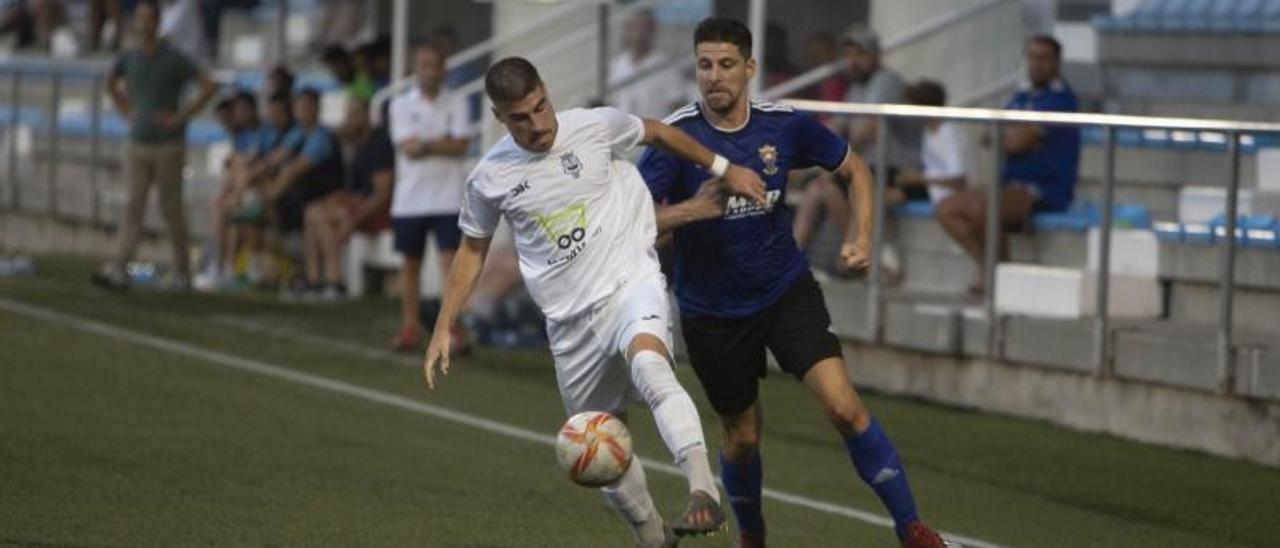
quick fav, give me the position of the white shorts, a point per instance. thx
(590, 348)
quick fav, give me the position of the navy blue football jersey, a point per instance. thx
(740, 264)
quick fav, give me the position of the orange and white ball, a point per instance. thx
(594, 448)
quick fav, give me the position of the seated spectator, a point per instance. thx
(822, 50)
(363, 204)
(311, 167)
(377, 61)
(873, 83)
(347, 72)
(943, 151)
(243, 208)
(1041, 161)
(280, 80)
(238, 116)
(33, 22)
(658, 93)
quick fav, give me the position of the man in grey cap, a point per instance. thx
(877, 84)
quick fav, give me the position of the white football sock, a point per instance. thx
(629, 496)
(676, 417)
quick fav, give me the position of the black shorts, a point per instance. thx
(729, 354)
(912, 193)
(411, 233)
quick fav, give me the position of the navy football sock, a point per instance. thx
(742, 482)
(876, 461)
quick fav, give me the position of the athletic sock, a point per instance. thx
(676, 417)
(742, 483)
(629, 496)
(877, 463)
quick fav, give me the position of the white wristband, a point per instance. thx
(719, 166)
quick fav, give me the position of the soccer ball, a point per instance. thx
(594, 448)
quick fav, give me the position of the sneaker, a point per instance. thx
(333, 293)
(111, 278)
(750, 540)
(407, 340)
(459, 341)
(702, 516)
(919, 535)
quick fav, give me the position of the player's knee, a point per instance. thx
(740, 445)
(847, 416)
(652, 375)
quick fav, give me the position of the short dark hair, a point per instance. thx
(926, 92)
(430, 45)
(309, 93)
(1048, 41)
(245, 97)
(280, 98)
(285, 74)
(335, 53)
(222, 104)
(511, 79)
(724, 29)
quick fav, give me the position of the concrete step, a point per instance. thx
(1200, 302)
(1255, 268)
(1176, 167)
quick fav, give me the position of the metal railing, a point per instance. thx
(1232, 131)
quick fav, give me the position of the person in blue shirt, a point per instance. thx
(1041, 161)
(744, 286)
(313, 167)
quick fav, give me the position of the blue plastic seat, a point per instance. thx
(915, 209)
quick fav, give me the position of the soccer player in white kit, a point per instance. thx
(584, 229)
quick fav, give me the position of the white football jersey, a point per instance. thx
(583, 218)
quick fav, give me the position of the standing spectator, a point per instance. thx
(1041, 161)
(662, 87)
(943, 153)
(363, 204)
(146, 85)
(431, 133)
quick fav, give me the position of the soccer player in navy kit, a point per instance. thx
(743, 285)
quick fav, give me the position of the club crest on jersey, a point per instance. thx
(769, 155)
(572, 166)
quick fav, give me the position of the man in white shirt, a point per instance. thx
(943, 148)
(661, 88)
(431, 133)
(584, 229)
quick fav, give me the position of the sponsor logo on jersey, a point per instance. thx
(739, 207)
(769, 155)
(520, 188)
(567, 231)
(572, 166)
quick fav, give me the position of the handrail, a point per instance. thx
(891, 44)
(1234, 132)
(1027, 116)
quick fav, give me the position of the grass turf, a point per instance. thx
(108, 443)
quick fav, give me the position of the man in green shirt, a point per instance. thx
(146, 85)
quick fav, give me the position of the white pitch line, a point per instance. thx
(400, 402)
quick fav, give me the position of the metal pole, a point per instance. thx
(756, 21)
(15, 124)
(282, 27)
(602, 53)
(875, 309)
(992, 246)
(399, 39)
(1226, 361)
(95, 147)
(52, 159)
(1101, 338)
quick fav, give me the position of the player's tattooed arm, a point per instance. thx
(708, 203)
(738, 180)
(463, 273)
(853, 173)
